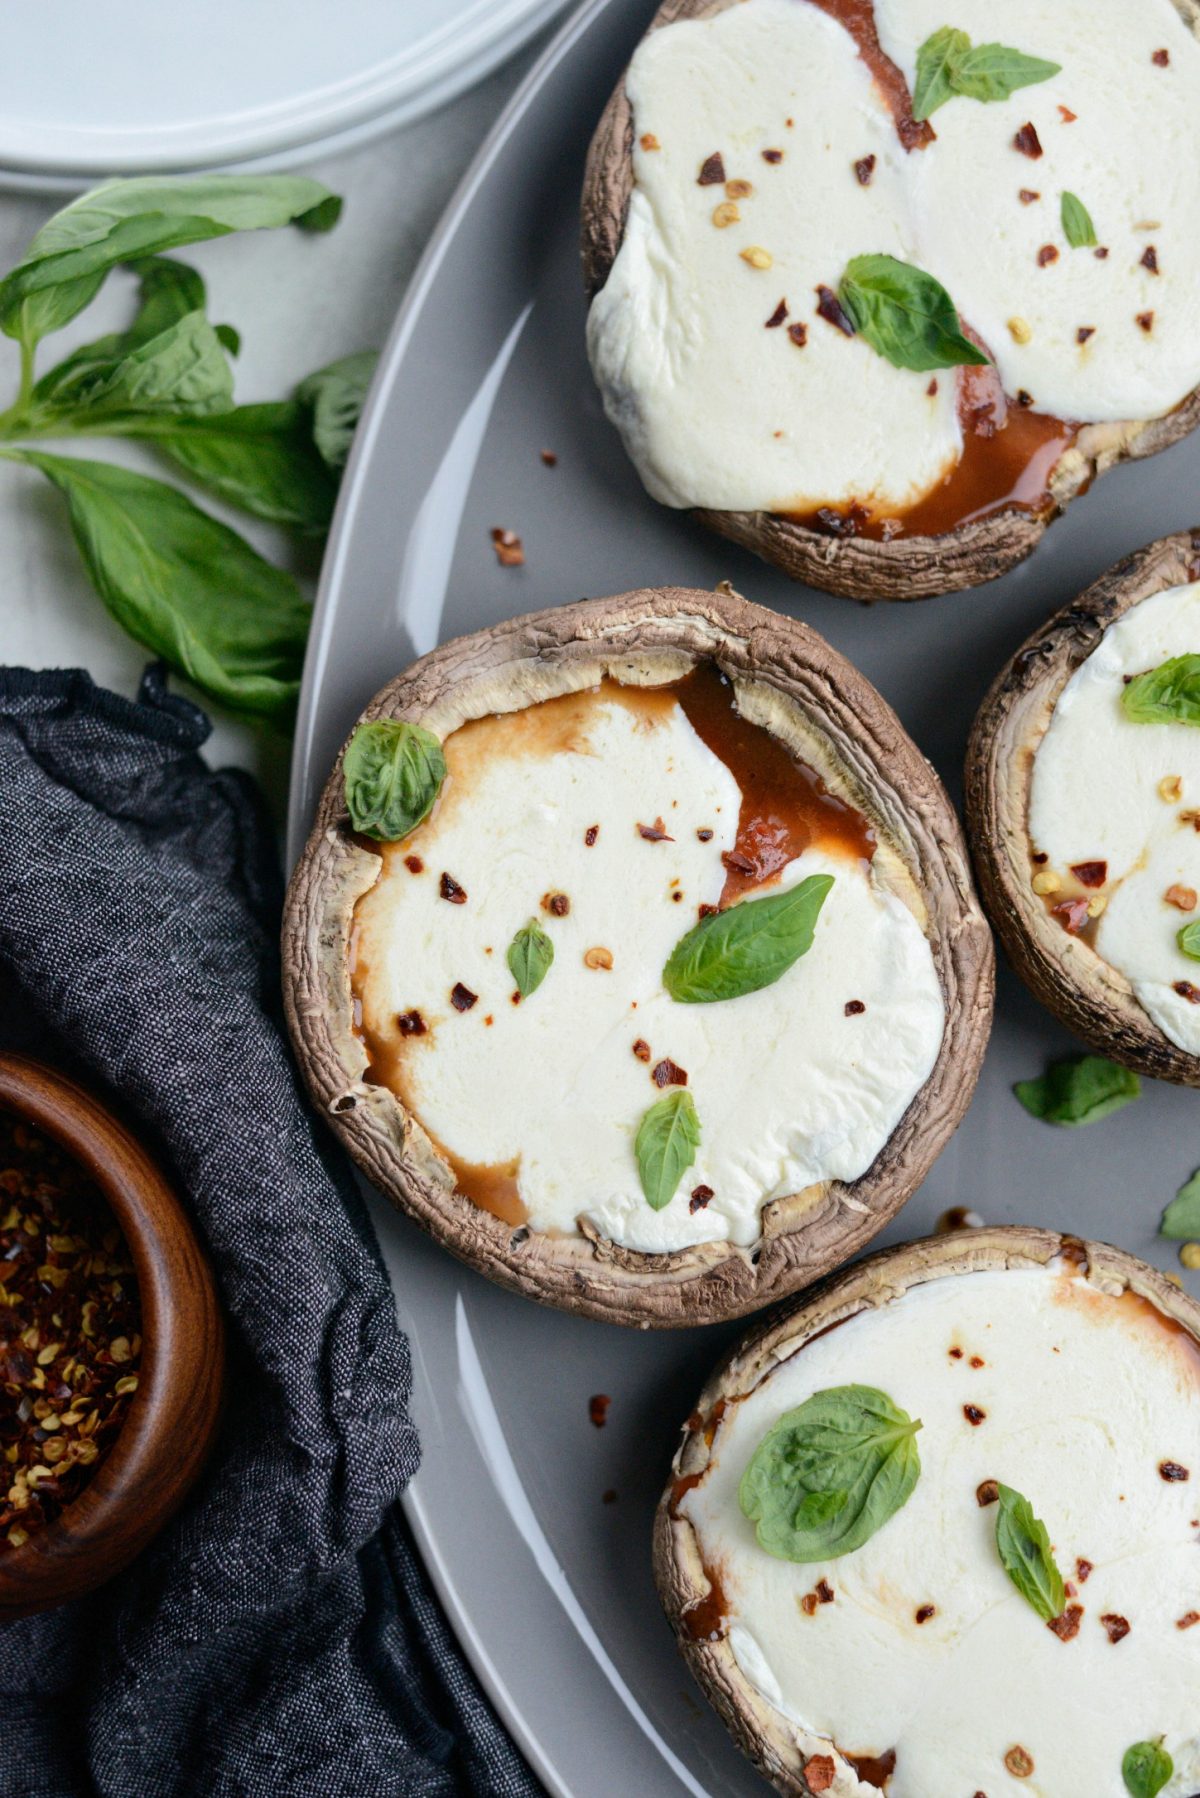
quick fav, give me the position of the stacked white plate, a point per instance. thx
(137, 87)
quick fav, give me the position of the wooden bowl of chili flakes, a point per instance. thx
(111, 1342)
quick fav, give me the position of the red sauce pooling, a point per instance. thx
(874, 1769)
(858, 18)
(786, 807)
(704, 1621)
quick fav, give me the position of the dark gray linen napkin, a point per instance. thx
(279, 1639)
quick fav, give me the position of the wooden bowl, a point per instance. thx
(172, 1416)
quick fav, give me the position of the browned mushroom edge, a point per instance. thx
(775, 1745)
(907, 567)
(825, 711)
(1085, 992)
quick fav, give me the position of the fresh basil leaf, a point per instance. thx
(1077, 225)
(749, 946)
(904, 314)
(1079, 1091)
(937, 60)
(667, 1139)
(1146, 1769)
(167, 291)
(188, 588)
(1181, 1219)
(1023, 1544)
(121, 221)
(335, 395)
(182, 371)
(1188, 939)
(830, 1474)
(1168, 694)
(260, 458)
(529, 957)
(393, 771)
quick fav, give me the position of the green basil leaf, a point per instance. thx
(188, 588)
(335, 396)
(1146, 1769)
(1023, 1544)
(937, 60)
(121, 221)
(260, 458)
(1168, 694)
(529, 957)
(830, 1474)
(948, 64)
(182, 371)
(1181, 1219)
(393, 771)
(1079, 1091)
(667, 1139)
(1077, 225)
(751, 945)
(167, 291)
(904, 314)
(1188, 939)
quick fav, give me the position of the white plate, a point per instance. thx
(550, 1588)
(136, 86)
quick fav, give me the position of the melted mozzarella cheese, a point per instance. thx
(1095, 796)
(1083, 1396)
(789, 1089)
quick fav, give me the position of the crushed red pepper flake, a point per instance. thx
(461, 997)
(590, 835)
(704, 836)
(557, 904)
(978, 1361)
(411, 1023)
(864, 168)
(925, 1612)
(708, 911)
(1027, 141)
(772, 156)
(1027, 195)
(669, 1073)
(655, 833)
(820, 1771)
(824, 1592)
(777, 317)
(1172, 1472)
(70, 1330)
(1150, 258)
(1189, 1620)
(1101, 254)
(1145, 320)
(712, 171)
(853, 1008)
(808, 1604)
(1072, 914)
(598, 1409)
(1187, 991)
(1066, 1626)
(798, 334)
(642, 1049)
(510, 551)
(549, 458)
(700, 1198)
(1084, 332)
(987, 1493)
(1083, 1571)
(831, 310)
(450, 890)
(414, 864)
(974, 1415)
(1161, 58)
(1068, 117)
(1047, 253)
(1118, 1627)
(932, 388)
(1090, 874)
(1024, 398)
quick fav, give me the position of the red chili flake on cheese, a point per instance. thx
(820, 1772)
(1083, 1571)
(1068, 117)
(772, 155)
(1101, 254)
(853, 1008)
(1150, 258)
(974, 1415)
(1090, 874)
(978, 1361)
(461, 997)
(987, 1493)
(704, 836)
(864, 168)
(798, 335)
(1117, 1626)
(590, 835)
(642, 1049)
(1027, 195)
(557, 904)
(1191, 993)
(450, 889)
(411, 1023)
(414, 864)
(708, 911)
(1023, 398)
(1172, 1472)
(1146, 320)
(932, 387)
(712, 170)
(598, 1409)
(700, 1198)
(824, 1591)
(1046, 254)
(1066, 1627)
(1084, 332)
(925, 1612)
(808, 1604)
(1072, 914)
(1189, 1620)
(655, 833)
(1161, 58)
(777, 317)
(668, 1073)
(510, 551)
(956, 1354)
(830, 309)
(1027, 141)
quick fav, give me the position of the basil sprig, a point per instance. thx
(1168, 694)
(1078, 1091)
(1023, 1544)
(1146, 1769)
(747, 947)
(1181, 1219)
(904, 314)
(830, 1474)
(948, 64)
(1077, 225)
(187, 587)
(667, 1139)
(393, 771)
(529, 957)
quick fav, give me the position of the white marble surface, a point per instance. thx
(299, 302)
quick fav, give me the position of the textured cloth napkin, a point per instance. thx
(278, 1639)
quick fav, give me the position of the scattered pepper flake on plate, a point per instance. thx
(510, 551)
(598, 1409)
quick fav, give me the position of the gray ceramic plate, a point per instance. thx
(549, 1586)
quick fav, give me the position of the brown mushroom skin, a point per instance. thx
(758, 1729)
(860, 747)
(857, 567)
(1087, 995)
